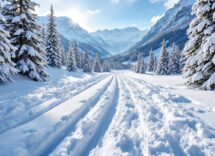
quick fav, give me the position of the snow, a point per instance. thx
(198, 99)
(72, 31)
(115, 113)
(120, 40)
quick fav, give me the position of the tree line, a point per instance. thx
(28, 48)
(197, 62)
(167, 64)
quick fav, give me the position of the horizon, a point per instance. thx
(95, 15)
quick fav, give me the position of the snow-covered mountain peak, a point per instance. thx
(120, 39)
(172, 27)
(106, 41)
(72, 31)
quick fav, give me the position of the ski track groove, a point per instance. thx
(126, 116)
(140, 117)
(61, 130)
(124, 130)
(37, 110)
(184, 127)
(51, 90)
(93, 125)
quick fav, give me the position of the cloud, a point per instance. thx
(167, 3)
(156, 18)
(93, 12)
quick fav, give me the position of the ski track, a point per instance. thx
(124, 136)
(90, 129)
(149, 121)
(20, 103)
(171, 128)
(112, 115)
(41, 135)
(59, 96)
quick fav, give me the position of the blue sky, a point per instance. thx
(108, 14)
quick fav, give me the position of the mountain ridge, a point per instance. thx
(72, 31)
(120, 39)
(172, 27)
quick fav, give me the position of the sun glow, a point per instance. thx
(78, 17)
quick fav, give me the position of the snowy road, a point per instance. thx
(112, 115)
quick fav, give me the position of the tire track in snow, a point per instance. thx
(39, 109)
(91, 128)
(176, 125)
(44, 133)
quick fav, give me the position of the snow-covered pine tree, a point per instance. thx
(91, 64)
(183, 61)
(175, 60)
(97, 64)
(71, 64)
(162, 68)
(138, 66)
(106, 66)
(59, 60)
(81, 60)
(9, 12)
(53, 42)
(151, 61)
(43, 36)
(206, 59)
(142, 66)
(135, 68)
(26, 37)
(77, 54)
(86, 63)
(64, 56)
(6, 65)
(155, 64)
(199, 70)
(146, 66)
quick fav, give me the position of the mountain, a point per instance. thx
(120, 39)
(172, 27)
(70, 31)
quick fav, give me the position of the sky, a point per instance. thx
(93, 15)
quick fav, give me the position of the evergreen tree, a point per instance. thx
(9, 12)
(26, 37)
(155, 64)
(151, 61)
(174, 60)
(142, 66)
(86, 63)
(183, 60)
(43, 36)
(59, 59)
(106, 66)
(162, 68)
(64, 56)
(97, 64)
(199, 50)
(138, 63)
(53, 42)
(135, 68)
(71, 66)
(6, 65)
(77, 55)
(82, 60)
